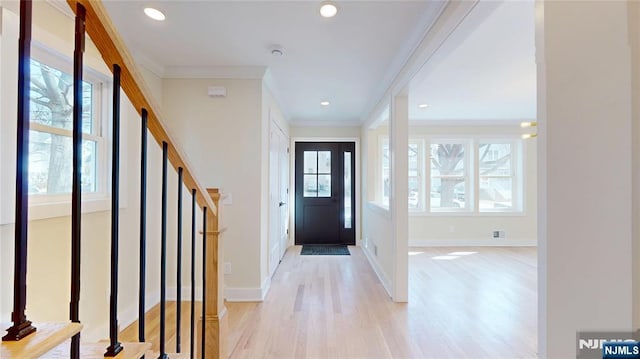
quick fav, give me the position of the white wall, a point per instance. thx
(461, 229)
(377, 226)
(223, 140)
(634, 30)
(49, 239)
(585, 199)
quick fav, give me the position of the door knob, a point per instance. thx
(281, 204)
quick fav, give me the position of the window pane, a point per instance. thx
(324, 185)
(50, 164)
(447, 159)
(414, 179)
(386, 183)
(496, 193)
(414, 192)
(495, 159)
(310, 162)
(448, 193)
(347, 190)
(310, 186)
(51, 98)
(448, 176)
(324, 161)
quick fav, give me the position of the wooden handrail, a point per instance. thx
(114, 51)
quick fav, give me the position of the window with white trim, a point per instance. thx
(416, 175)
(51, 124)
(385, 175)
(497, 177)
(449, 175)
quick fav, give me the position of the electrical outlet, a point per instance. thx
(227, 267)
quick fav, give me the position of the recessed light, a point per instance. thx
(154, 13)
(325, 103)
(328, 9)
(423, 105)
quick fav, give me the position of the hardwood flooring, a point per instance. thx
(479, 305)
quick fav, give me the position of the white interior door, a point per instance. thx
(274, 199)
(284, 193)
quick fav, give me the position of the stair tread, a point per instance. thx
(178, 355)
(46, 337)
(96, 351)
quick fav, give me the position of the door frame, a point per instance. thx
(292, 178)
(275, 213)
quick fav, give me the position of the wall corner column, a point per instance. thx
(399, 127)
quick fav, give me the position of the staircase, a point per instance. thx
(62, 340)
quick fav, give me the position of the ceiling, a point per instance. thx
(349, 60)
(486, 69)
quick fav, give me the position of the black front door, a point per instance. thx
(325, 193)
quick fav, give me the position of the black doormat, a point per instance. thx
(320, 250)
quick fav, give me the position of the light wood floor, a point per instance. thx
(481, 305)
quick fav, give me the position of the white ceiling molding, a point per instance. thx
(471, 23)
(270, 83)
(215, 72)
(411, 45)
(448, 20)
(467, 123)
(146, 62)
(62, 6)
(314, 123)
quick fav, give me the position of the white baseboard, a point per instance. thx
(235, 294)
(476, 242)
(185, 294)
(378, 270)
(128, 316)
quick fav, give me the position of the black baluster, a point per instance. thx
(193, 273)
(163, 253)
(204, 278)
(179, 264)
(114, 346)
(143, 227)
(76, 190)
(21, 326)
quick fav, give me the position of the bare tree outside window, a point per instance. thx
(448, 175)
(50, 147)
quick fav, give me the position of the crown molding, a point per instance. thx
(62, 6)
(320, 123)
(214, 72)
(467, 122)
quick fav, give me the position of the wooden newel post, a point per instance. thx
(215, 316)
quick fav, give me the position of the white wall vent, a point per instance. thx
(217, 91)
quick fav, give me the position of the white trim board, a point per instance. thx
(474, 242)
(238, 294)
(378, 270)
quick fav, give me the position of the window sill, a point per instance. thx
(379, 208)
(466, 214)
(46, 210)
